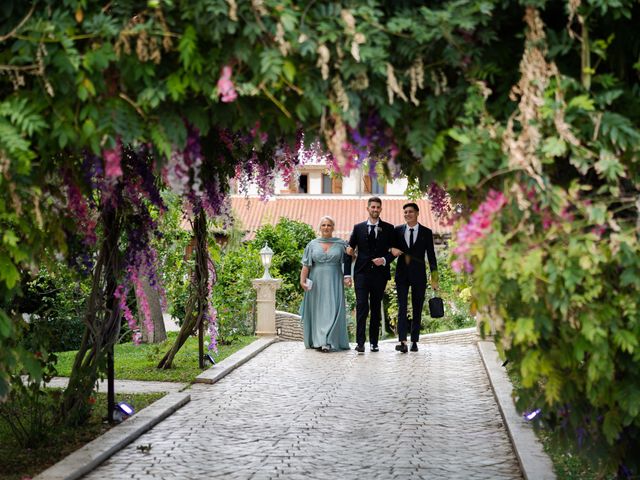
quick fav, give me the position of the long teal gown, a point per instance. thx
(323, 308)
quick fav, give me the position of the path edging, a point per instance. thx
(534, 462)
(87, 458)
(225, 367)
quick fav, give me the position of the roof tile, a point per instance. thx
(253, 213)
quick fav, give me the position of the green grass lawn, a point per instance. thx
(138, 362)
(17, 462)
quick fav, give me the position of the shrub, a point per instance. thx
(54, 300)
(287, 239)
(562, 299)
(175, 266)
(30, 410)
(233, 295)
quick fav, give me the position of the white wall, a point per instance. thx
(351, 185)
(315, 183)
(397, 187)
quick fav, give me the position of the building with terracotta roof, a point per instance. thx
(315, 192)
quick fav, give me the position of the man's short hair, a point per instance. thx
(374, 200)
(412, 205)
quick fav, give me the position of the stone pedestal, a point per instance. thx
(266, 305)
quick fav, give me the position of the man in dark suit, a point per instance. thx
(412, 242)
(372, 241)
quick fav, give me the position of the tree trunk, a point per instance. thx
(159, 333)
(102, 319)
(198, 301)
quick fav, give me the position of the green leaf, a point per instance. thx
(271, 64)
(289, 70)
(609, 166)
(611, 426)
(174, 128)
(88, 128)
(6, 326)
(524, 331)
(554, 147)
(23, 114)
(8, 272)
(160, 141)
(626, 340)
(529, 368)
(10, 238)
(176, 86)
(458, 136)
(583, 102)
(188, 48)
(597, 213)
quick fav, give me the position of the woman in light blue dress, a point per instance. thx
(323, 308)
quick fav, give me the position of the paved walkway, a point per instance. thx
(295, 413)
(127, 386)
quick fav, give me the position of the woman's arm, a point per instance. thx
(304, 274)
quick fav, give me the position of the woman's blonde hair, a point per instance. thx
(326, 217)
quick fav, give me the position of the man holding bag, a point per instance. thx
(412, 243)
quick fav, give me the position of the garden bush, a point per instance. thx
(233, 295)
(54, 300)
(287, 239)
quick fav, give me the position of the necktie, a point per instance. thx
(410, 237)
(371, 238)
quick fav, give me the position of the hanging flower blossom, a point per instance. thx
(81, 212)
(478, 227)
(112, 167)
(226, 88)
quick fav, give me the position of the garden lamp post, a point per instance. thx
(266, 254)
(266, 296)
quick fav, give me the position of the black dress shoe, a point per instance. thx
(414, 346)
(360, 348)
(374, 348)
(402, 348)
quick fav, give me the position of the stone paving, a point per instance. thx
(298, 414)
(127, 386)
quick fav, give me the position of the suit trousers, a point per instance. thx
(417, 301)
(369, 291)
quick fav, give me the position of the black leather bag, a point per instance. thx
(436, 307)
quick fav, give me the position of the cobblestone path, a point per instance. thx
(299, 414)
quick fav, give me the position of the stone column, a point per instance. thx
(266, 303)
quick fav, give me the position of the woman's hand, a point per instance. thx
(396, 252)
(303, 284)
(349, 251)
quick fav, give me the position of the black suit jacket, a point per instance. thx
(411, 266)
(360, 240)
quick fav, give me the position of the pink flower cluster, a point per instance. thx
(134, 279)
(440, 204)
(211, 315)
(112, 158)
(80, 210)
(121, 295)
(226, 88)
(478, 227)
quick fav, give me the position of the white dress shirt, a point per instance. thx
(407, 233)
